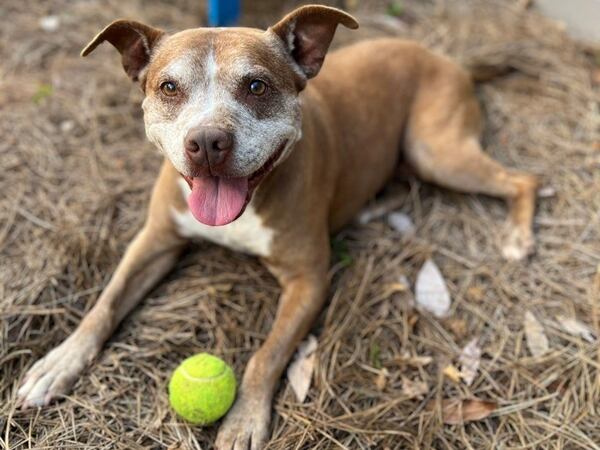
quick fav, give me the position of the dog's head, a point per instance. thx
(222, 103)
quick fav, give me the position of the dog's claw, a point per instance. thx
(54, 374)
(246, 426)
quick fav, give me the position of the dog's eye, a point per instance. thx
(168, 88)
(257, 87)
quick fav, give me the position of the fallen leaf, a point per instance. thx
(67, 125)
(395, 287)
(537, 342)
(300, 371)
(469, 359)
(431, 291)
(414, 361)
(216, 288)
(456, 411)
(412, 320)
(380, 209)
(576, 328)
(546, 192)
(381, 379)
(384, 309)
(475, 293)
(49, 23)
(401, 222)
(414, 389)
(452, 372)
(458, 327)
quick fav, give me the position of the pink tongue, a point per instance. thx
(217, 201)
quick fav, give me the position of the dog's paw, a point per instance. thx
(246, 426)
(519, 244)
(54, 374)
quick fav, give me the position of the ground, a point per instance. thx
(76, 173)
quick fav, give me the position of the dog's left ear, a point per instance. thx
(307, 32)
(134, 41)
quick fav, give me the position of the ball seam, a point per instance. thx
(190, 377)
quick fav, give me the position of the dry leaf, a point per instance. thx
(395, 287)
(414, 361)
(67, 126)
(546, 192)
(49, 23)
(457, 326)
(475, 293)
(452, 372)
(300, 371)
(469, 359)
(412, 320)
(456, 411)
(414, 389)
(576, 328)
(379, 210)
(384, 309)
(401, 222)
(431, 291)
(537, 342)
(381, 379)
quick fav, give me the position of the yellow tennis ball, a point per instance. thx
(202, 389)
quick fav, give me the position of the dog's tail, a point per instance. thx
(487, 63)
(482, 72)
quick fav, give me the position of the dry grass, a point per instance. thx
(75, 178)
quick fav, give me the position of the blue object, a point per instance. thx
(223, 13)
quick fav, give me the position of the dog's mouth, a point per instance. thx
(218, 200)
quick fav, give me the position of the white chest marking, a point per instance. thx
(247, 234)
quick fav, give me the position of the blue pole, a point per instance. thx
(223, 13)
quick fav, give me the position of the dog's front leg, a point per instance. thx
(151, 254)
(247, 424)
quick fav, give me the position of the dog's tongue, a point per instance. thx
(217, 201)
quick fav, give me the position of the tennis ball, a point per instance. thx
(202, 389)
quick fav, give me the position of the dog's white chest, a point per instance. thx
(247, 234)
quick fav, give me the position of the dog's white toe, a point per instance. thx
(54, 374)
(246, 426)
(519, 244)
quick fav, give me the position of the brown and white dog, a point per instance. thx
(271, 166)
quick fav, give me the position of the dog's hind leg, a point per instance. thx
(149, 257)
(446, 151)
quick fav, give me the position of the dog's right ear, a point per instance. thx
(135, 41)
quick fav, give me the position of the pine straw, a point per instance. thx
(76, 172)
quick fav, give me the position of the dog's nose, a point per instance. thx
(208, 145)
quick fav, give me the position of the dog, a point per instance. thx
(262, 161)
